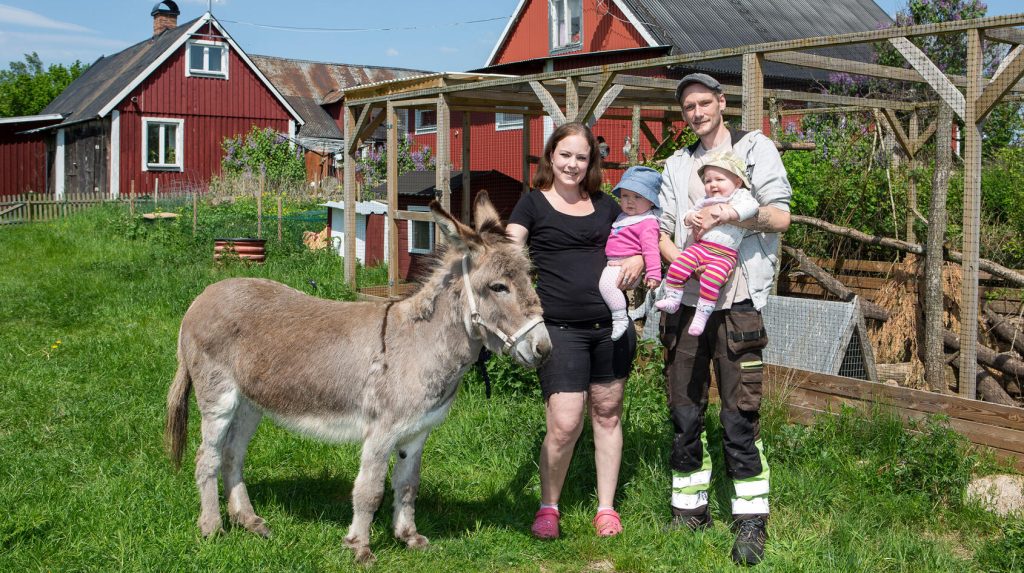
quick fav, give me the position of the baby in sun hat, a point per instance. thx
(725, 185)
(634, 232)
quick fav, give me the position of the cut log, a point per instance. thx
(1005, 330)
(988, 357)
(834, 286)
(989, 390)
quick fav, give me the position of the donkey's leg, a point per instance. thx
(217, 416)
(367, 493)
(405, 478)
(247, 419)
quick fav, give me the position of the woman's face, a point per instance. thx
(570, 160)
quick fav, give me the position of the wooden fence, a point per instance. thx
(31, 207)
(866, 278)
(808, 395)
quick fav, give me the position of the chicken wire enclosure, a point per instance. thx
(818, 336)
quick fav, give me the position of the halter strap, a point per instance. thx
(474, 314)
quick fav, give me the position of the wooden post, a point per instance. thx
(572, 99)
(259, 207)
(466, 171)
(443, 159)
(131, 200)
(195, 212)
(912, 180)
(394, 274)
(972, 219)
(634, 150)
(753, 92)
(351, 146)
(280, 217)
(526, 153)
(156, 195)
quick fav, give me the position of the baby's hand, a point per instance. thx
(652, 283)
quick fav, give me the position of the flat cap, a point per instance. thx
(702, 79)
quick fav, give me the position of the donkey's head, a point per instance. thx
(501, 309)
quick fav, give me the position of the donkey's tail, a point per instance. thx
(177, 414)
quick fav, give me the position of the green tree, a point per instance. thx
(263, 151)
(27, 87)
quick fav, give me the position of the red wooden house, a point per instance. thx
(551, 35)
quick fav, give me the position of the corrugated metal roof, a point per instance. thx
(308, 85)
(711, 25)
(423, 182)
(107, 76)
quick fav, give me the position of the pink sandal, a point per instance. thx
(607, 523)
(545, 523)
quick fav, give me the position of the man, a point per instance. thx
(734, 336)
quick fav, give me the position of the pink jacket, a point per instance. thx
(636, 235)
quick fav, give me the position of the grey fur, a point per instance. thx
(251, 347)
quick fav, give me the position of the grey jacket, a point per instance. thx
(758, 252)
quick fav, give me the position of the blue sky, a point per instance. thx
(436, 35)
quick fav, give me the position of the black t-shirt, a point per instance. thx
(568, 253)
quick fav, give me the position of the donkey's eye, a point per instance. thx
(498, 287)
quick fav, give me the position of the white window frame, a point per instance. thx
(179, 142)
(566, 44)
(204, 71)
(426, 128)
(412, 224)
(504, 121)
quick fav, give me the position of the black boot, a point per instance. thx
(693, 521)
(751, 535)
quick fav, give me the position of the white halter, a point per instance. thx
(474, 314)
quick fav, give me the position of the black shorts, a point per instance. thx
(582, 355)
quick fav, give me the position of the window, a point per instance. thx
(207, 59)
(162, 143)
(421, 233)
(566, 18)
(426, 121)
(505, 121)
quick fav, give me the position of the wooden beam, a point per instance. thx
(526, 155)
(467, 128)
(753, 91)
(913, 136)
(602, 105)
(372, 125)
(497, 109)
(363, 114)
(805, 60)
(423, 216)
(971, 219)
(1011, 70)
(925, 136)
(443, 159)
(572, 99)
(350, 197)
(653, 139)
(1005, 35)
(897, 128)
(932, 74)
(789, 95)
(586, 109)
(548, 102)
(634, 150)
(394, 268)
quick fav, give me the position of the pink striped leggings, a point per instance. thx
(718, 262)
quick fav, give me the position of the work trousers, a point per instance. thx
(732, 342)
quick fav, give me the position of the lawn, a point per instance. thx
(89, 312)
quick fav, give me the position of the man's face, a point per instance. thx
(702, 109)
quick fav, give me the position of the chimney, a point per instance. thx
(165, 16)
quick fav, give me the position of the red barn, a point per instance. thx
(23, 167)
(158, 110)
(551, 35)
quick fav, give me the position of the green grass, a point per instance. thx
(89, 311)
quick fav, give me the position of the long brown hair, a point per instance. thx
(545, 175)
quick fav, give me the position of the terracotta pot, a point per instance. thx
(247, 249)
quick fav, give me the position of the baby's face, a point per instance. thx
(633, 204)
(719, 182)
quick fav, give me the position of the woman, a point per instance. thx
(566, 221)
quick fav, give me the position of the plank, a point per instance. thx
(1010, 72)
(935, 77)
(548, 102)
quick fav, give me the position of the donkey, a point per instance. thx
(384, 373)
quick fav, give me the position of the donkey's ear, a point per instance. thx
(486, 216)
(455, 233)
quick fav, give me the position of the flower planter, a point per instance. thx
(247, 249)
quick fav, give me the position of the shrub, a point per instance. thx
(263, 151)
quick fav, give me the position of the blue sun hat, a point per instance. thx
(643, 181)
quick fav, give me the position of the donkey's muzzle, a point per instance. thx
(533, 348)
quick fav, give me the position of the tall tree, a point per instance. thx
(27, 87)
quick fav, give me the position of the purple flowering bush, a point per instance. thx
(373, 168)
(264, 152)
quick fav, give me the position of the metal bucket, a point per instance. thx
(247, 249)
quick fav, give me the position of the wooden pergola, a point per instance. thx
(585, 94)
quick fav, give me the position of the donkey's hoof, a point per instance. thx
(361, 549)
(416, 541)
(211, 527)
(255, 524)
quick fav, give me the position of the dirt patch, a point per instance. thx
(1002, 493)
